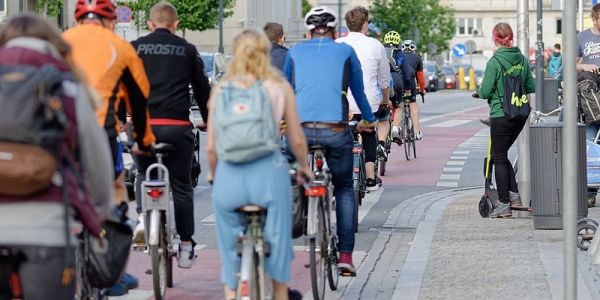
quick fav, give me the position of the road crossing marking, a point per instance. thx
(448, 183)
(452, 170)
(450, 177)
(455, 163)
(458, 157)
(450, 123)
(461, 152)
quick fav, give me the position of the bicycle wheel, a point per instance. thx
(83, 289)
(317, 261)
(381, 165)
(357, 199)
(160, 256)
(406, 139)
(333, 274)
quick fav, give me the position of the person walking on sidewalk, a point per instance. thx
(504, 131)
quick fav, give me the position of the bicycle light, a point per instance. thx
(319, 162)
(356, 150)
(315, 191)
(154, 193)
(244, 290)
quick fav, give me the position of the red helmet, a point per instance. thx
(101, 8)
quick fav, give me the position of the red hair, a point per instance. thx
(503, 34)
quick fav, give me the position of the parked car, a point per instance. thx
(214, 65)
(433, 74)
(450, 79)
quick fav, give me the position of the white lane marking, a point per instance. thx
(447, 183)
(209, 219)
(461, 152)
(200, 247)
(367, 203)
(455, 163)
(452, 170)
(458, 157)
(450, 123)
(450, 177)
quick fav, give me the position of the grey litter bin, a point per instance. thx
(550, 101)
(546, 175)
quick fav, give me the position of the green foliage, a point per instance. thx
(48, 7)
(195, 15)
(305, 7)
(424, 21)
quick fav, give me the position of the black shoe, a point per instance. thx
(372, 185)
(294, 294)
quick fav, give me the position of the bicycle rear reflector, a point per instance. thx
(356, 170)
(316, 191)
(154, 193)
(319, 162)
(356, 150)
(244, 290)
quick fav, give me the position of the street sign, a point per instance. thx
(470, 46)
(124, 14)
(124, 26)
(459, 50)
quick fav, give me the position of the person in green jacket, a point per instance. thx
(503, 131)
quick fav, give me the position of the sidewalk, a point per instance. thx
(456, 254)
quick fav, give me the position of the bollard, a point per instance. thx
(461, 79)
(472, 79)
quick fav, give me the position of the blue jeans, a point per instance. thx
(338, 144)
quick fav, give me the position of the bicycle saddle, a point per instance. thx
(163, 147)
(314, 148)
(251, 208)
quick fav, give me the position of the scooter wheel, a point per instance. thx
(485, 207)
(585, 233)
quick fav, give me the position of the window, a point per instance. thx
(469, 26)
(558, 26)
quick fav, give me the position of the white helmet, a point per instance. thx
(320, 16)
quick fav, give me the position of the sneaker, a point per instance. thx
(501, 211)
(396, 136)
(130, 281)
(515, 199)
(138, 232)
(116, 290)
(372, 185)
(381, 151)
(345, 265)
(419, 136)
(294, 294)
(186, 259)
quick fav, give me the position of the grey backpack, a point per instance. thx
(244, 124)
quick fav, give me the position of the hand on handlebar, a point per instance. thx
(366, 126)
(135, 150)
(475, 95)
(303, 175)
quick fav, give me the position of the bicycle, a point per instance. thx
(84, 289)
(382, 158)
(157, 204)
(359, 175)
(537, 117)
(407, 134)
(320, 232)
(253, 249)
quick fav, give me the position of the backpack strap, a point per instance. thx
(501, 66)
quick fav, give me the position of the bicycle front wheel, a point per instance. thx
(414, 146)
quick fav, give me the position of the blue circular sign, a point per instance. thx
(459, 50)
(124, 14)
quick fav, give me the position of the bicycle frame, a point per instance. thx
(156, 199)
(253, 247)
(316, 191)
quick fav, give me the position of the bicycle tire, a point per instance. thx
(159, 264)
(406, 136)
(357, 199)
(83, 289)
(381, 166)
(317, 270)
(333, 273)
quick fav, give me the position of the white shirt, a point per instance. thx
(375, 68)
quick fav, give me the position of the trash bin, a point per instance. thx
(550, 101)
(546, 175)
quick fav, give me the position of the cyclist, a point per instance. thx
(261, 181)
(321, 70)
(278, 52)
(35, 227)
(401, 74)
(416, 63)
(376, 80)
(113, 69)
(172, 64)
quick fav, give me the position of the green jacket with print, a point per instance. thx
(492, 85)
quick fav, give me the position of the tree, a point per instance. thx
(424, 21)
(48, 7)
(305, 7)
(195, 15)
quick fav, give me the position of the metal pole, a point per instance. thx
(524, 173)
(539, 59)
(569, 146)
(580, 14)
(221, 49)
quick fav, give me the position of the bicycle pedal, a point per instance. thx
(347, 274)
(139, 247)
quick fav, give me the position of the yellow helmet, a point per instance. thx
(392, 38)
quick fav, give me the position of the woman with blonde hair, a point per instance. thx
(264, 181)
(33, 227)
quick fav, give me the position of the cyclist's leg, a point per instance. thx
(41, 274)
(270, 185)
(383, 126)
(369, 142)
(179, 163)
(228, 222)
(414, 112)
(339, 160)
